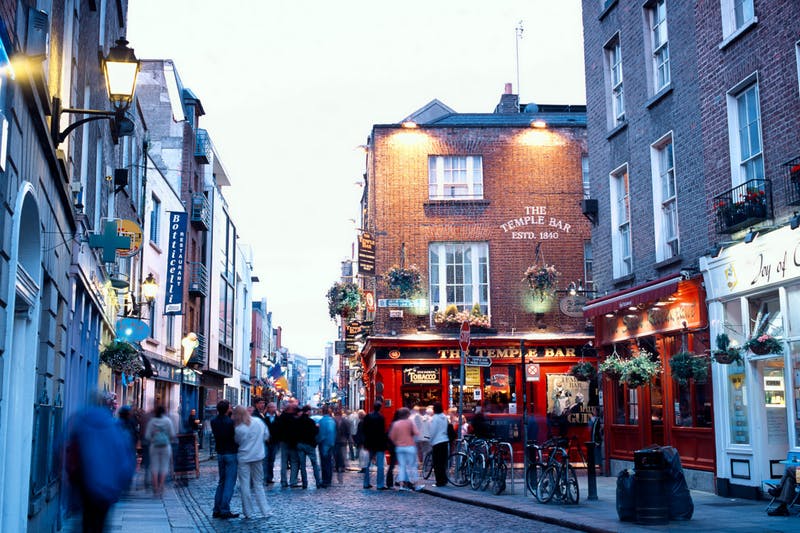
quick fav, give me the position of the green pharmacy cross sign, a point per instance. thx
(110, 241)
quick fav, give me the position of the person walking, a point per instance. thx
(224, 437)
(287, 433)
(307, 447)
(440, 443)
(374, 427)
(271, 419)
(342, 441)
(250, 434)
(160, 433)
(326, 441)
(403, 434)
(390, 481)
(354, 417)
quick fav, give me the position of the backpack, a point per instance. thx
(160, 438)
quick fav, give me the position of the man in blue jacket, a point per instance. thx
(223, 429)
(326, 440)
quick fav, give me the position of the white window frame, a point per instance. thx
(659, 44)
(155, 220)
(445, 287)
(455, 177)
(665, 198)
(731, 10)
(797, 58)
(747, 162)
(613, 54)
(621, 241)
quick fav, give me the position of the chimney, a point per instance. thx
(509, 102)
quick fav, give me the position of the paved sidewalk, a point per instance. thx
(711, 512)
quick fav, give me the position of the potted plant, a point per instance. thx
(452, 317)
(640, 369)
(542, 279)
(726, 354)
(612, 367)
(764, 344)
(686, 365)
(404, 281)
(122, 357)
(583, 371)
(344, 299)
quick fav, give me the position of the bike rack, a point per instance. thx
(511, 461)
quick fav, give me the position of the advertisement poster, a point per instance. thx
(567, 400)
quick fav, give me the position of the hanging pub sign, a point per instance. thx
(366, 254)
(176, 255)
(421, 375)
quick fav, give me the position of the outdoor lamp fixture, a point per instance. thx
(750, 237)
(189, 343)
(120, 68)
(149, 288)
(794, 222)
(409, 124)
(538, 123)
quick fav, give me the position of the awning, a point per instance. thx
(648, 292)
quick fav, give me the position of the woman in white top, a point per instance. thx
(250, 434)
(440, 443)
(160, 434)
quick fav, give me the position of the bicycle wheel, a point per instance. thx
(427, 465)
(478, 470)
(457, 469)
(532, 476)
(488, 474)
(573, 492)
(499, 478)
(546, 487)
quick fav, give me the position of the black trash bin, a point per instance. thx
(652, 504)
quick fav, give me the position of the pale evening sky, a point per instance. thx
(292, 87)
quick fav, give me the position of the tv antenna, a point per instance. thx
(519, 29)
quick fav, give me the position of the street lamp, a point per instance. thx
(188, 343)
(120, 68)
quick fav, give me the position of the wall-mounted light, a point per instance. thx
(750, 237)
(409, 124)
(794, 222)
(538, 123)
(150, 288)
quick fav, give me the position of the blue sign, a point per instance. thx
(132, 330)
(176, 256)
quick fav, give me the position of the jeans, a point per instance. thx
(380, 457)
(288, 457)
(303, 451)
(338, 459)
(251, 487)
(269, 461)
(326, 464)
(407, 463)
(227, 465)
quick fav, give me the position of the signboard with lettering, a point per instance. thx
(535, 224)
(421, 375)
(366, 254)
(477, 361)
(572, 305)
(176, 258)
(402, 302)
(497, 353)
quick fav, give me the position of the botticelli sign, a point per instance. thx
(176, 253)
(421, 375)
(535, 225)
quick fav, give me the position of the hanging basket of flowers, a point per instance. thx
(344, 299)
(612, 367)
(726, 354)
(764, 344)
(404, 281)
(686, 365)
(122, 357)
(583, 371)
(451, 317)
(542, 279)
(640, 369)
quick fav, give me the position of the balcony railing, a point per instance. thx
(202, 147)
(201, 212)
(743, 206)
(198, 279)
(201, 352)
(793, 182)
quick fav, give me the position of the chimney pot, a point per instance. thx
(508, 89)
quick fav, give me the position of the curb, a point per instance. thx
(578, 526)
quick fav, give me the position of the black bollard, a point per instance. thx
(591, 470)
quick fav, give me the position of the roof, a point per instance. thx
(554, 119)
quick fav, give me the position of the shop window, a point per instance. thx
(795, 377)
(765, 315)
(693, 405)
(793, 310)
(737, 404)
(626, 405)
(493, 388)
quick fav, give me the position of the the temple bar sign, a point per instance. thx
(421, 375)
(535, 224)
(510, 353)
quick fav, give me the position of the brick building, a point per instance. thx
(471, 201)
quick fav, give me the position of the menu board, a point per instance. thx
(185, 457)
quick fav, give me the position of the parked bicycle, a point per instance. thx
(558, 480)
(494, 468)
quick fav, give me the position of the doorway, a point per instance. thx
(771, 409)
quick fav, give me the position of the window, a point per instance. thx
(797, 56)
(155, 220)
(170, 331)
(614, 66)
(459, 275)
(736, 15)
(660, 44)
(626, 404)
(587, 189)
(455, 177)
(588, 266)
(665, 205)
(621, 223)
(744, 117)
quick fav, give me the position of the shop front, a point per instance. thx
(657, 320)
(523, 384)
(754, 295)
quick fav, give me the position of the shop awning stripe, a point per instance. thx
(648, 292)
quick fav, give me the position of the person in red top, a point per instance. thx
(402, 434)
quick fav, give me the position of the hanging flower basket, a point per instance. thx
(726, 354)
(763, 345)
(344, 299)
(612, 367)
(686, 365)
(542, 279)
(641, 369)
(584, 371)
(452, 317)
(122, 357)
(404, 281)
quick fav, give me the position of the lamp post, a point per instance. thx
(120, 68)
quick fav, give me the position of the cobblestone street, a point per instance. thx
(346, 507)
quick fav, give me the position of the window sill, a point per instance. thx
(618, 128)
(455, 207)
(609, 6)
(660, 95)
(738, 33)
(622, 280)
(668, 262)
(156, 247)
